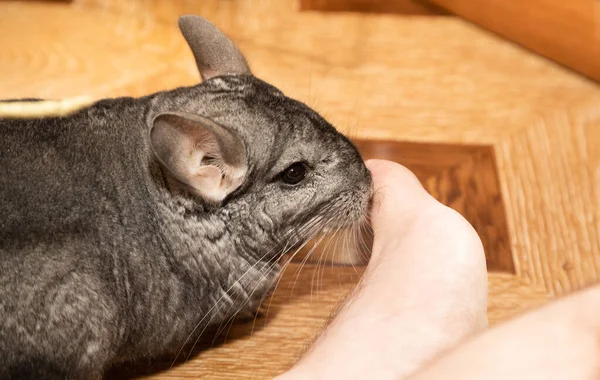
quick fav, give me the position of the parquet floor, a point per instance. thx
(507, 138)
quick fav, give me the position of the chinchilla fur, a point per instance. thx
(135, 222)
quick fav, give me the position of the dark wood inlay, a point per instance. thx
(463, 177)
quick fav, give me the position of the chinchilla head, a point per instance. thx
(241, 145)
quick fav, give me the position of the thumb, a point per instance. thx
(398, 196)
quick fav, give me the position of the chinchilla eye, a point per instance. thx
(294, 173)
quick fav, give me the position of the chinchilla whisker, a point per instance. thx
(217, 303)
(315, 223)
(232, 317)
(315, 270)
(272, 293)
(338, 236)
(345, 243)
(366, 229)
(264, 275)
(306, 228)
(364, 246)
(337, 239)
(281, 277)
(355, 247)
(287, 264)
(262, 301)
(358, 242)
(271, 267)
(303, 263)
(361, 248)
(321, 268)
(221, 304)
(227, 322)
(297, 273)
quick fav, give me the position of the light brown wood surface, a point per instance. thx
(508, 138)
(567, 31)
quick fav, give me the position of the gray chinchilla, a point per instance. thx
(134, 222)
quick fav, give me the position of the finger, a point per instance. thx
(389, 176)
(420, 295)
(398, 196)
(559, 341)
(384, 170)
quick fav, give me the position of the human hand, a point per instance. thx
(424, 290)
(558, 341)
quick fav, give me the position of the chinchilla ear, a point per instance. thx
(200, 153)
(214, 52)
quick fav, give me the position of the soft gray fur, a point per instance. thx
(110, 251)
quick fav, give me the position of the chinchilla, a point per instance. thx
(130, 224)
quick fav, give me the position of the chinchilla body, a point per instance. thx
(129, 226)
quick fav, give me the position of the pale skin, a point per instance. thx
(420, 310)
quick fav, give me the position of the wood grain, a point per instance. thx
(453, 99)
(303, 303)
(550, 186)
(565, 31)
(403, 7)
(463, 177)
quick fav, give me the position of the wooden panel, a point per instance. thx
(405, 7)
(548, 173)
(304, 301)
(567, 31)
(463, 177)
(41, 1)
(442, 92)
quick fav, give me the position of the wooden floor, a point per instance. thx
(507, 138)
